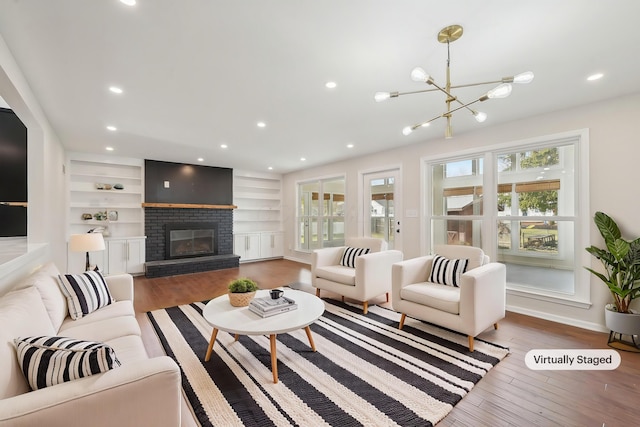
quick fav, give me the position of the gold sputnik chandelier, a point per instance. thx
(448, 35)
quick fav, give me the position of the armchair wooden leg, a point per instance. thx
(342, 298)
(365, 307)
(404, 316)
(470, 343)
(318, 292)
(387, 296)
(495, 325)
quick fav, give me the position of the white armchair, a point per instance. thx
(476, 304)
(370, 277)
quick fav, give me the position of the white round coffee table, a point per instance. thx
(240, 321)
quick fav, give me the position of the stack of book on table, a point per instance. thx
(267, 306)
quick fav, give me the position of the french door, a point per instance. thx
(382, 206)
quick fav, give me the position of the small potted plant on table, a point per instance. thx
(242, 291)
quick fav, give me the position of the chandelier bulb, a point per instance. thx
(480, 116)
(407, 131)
(419, 75)
(523, 78)
(501, 91)
(382, 96)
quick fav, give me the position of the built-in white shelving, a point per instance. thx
(124, 221)
(257, 220)
(123, 207)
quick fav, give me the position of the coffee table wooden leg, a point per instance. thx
(274, 358)
(311, 343)
(214, 333)
(237, 337)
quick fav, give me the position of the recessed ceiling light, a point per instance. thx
(115, 89)
(302, 159)
(261, 124)
(112, 128)
(349, 145)
(330, 85)
(224, 146)
(270, 168)
(108, 148)
(596, 76)
(200, 159)
(128, 2)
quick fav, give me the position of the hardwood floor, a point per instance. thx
(509, 395)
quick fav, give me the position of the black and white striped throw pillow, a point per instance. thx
(47, 361)
(349, 256)
(85, 292)
(447, 271)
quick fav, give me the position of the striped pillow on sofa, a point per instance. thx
(47, 361)
(85, 292)
(447, 271)
(350, 254)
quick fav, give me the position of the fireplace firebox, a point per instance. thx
(191, 239)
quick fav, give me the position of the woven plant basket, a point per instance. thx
(241, 299)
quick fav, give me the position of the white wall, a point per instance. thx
(46, 210)
(614, 135)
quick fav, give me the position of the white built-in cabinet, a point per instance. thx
(126, 255)
(247, 246)
(271, 244)
(257, 220)
(91, 181)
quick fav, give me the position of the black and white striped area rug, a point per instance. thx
(365, 371)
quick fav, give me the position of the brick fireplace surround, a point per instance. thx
(156, 219)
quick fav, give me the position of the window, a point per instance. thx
(536, 216)
(321, 208)
(457, 203)
(536, 219)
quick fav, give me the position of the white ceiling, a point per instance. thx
(197, 74)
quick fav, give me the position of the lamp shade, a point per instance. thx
(88, 242)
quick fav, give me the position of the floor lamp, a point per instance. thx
(88, 242)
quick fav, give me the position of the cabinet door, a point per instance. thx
(247, 245)
(271, 245)
(240, 245)
(135, 256)
(117, 253)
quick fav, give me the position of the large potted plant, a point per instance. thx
(621, 262)
(242, 291)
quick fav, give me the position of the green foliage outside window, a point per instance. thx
(543, 201)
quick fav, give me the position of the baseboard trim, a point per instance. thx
(558, 319)
(300, 260)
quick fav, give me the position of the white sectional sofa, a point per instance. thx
(142, 391)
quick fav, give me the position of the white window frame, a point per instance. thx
(321, 214)
(582, 215)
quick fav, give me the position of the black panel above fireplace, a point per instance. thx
(167, 182)
(191, 239)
